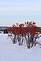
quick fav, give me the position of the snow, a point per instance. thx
(10, 52)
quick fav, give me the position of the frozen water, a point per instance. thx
(10, 52)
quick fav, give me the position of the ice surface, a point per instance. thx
(10, 52)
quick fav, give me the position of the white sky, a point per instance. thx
(12, 11)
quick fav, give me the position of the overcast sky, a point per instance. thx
(12, 11)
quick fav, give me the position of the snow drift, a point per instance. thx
(11, 52)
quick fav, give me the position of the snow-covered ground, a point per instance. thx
(10, 52)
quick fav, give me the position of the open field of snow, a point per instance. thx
(10, 52)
